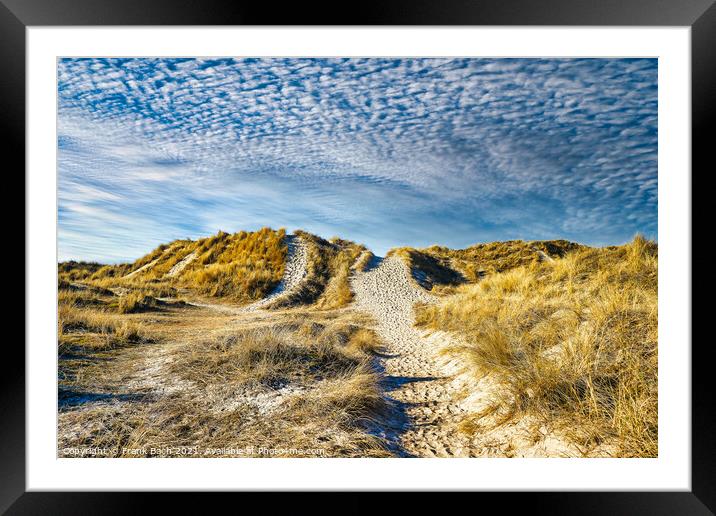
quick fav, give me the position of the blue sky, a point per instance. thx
(386, 152)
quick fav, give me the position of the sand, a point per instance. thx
(294, 273)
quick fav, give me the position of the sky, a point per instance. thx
(385, 152)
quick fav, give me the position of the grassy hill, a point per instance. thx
(139, 367)
(571, 341)
(438, 266)
(567, 332)
(329, 266)
(239, 268)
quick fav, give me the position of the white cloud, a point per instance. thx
(499, 139)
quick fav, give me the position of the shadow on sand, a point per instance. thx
(395, 421)
(374, 262)
(68, 398)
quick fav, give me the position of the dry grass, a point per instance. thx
(363, 261)
(140, 297)
(75, 271)
(135, 302)
(298, 381)
(81, 297)
(275, 356)
(441, 266)
(573, 343)
(327, 283)
(87, 320)
(240, 267)
(302, 386)
(106, 273)
(96, 329)
(428, 269)
(175, 252)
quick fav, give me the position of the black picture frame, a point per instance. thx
(700, 15)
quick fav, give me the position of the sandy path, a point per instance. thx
(150, 264)
(416, 377)
(142, 268)
(182, 264)
(296, 269)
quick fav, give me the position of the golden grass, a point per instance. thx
(87, 319)
(274, 355)
(134, 302)
(240, 267)
(441, 266)
(243, 267)
(301, 385)
(83, 297)
(138, 297)
(148, 258)
(573, 343)
(96, 329)
(361, 264)
(429, 269)
(74, 271)
(106, 273)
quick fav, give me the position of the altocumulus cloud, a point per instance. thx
(384, 151)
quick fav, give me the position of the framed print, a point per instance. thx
(431, 248)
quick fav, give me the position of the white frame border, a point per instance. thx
(671, 470)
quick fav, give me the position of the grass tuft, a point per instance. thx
(135, 302)
(95, 330)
